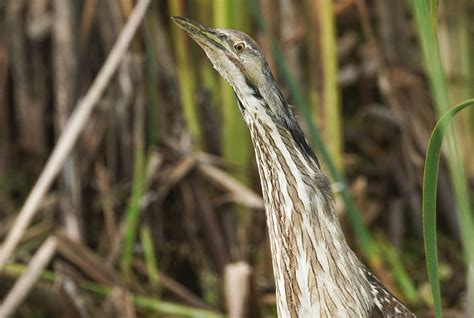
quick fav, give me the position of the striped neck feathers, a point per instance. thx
(315, 270)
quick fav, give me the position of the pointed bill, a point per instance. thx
(206, 37)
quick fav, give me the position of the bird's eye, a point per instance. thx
(239, 47)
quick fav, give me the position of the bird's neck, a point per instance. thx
(315, 270)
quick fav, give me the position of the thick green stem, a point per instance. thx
(236, 144)
(329, 115)
(187, 82)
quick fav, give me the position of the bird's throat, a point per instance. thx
(315, 270)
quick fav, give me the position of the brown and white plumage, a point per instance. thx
(316, 273)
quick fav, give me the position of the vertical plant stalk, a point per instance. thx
(187, 84)
(237, 289)
(5, 124)
(456, 53)
(139, 141)
(151, 75)
(87, 20)
(329, 115)
(149, 253)
(236, 144)
(138, 186)
(65, 71)
(313, 52)
(291, 28)
(133, 210)
(29, 111)
(209, 96)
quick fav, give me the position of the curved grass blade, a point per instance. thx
(430, 185)
(425, 17)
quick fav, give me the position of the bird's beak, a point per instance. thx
(204, 36)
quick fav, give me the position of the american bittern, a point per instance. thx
(316, 273)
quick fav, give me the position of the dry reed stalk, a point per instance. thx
(5, 125)
(30, 112)
(237, 191)
(87, 261)
(65, 74)
(181, 291)
(292, 32)
(213, 231)
(123, 303)
(169, 102)
(104, 186)
(87, 19)
(72, 129)
(24, 284)
(237, 278)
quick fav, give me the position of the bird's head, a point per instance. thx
(235, 55)
(239, 60)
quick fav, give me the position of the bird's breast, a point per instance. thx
(315, 271)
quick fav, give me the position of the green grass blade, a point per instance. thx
(430, 184)
(329, 102)
(149, 253)
(185, 66)
(151, 74)
(406, 285)
(425, 18)
(172, 309)
(133, 209)
(235, 131)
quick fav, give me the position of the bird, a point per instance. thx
(316, 272)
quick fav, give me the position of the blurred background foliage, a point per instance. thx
(158, 209)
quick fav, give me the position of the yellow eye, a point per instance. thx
(239, 47)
